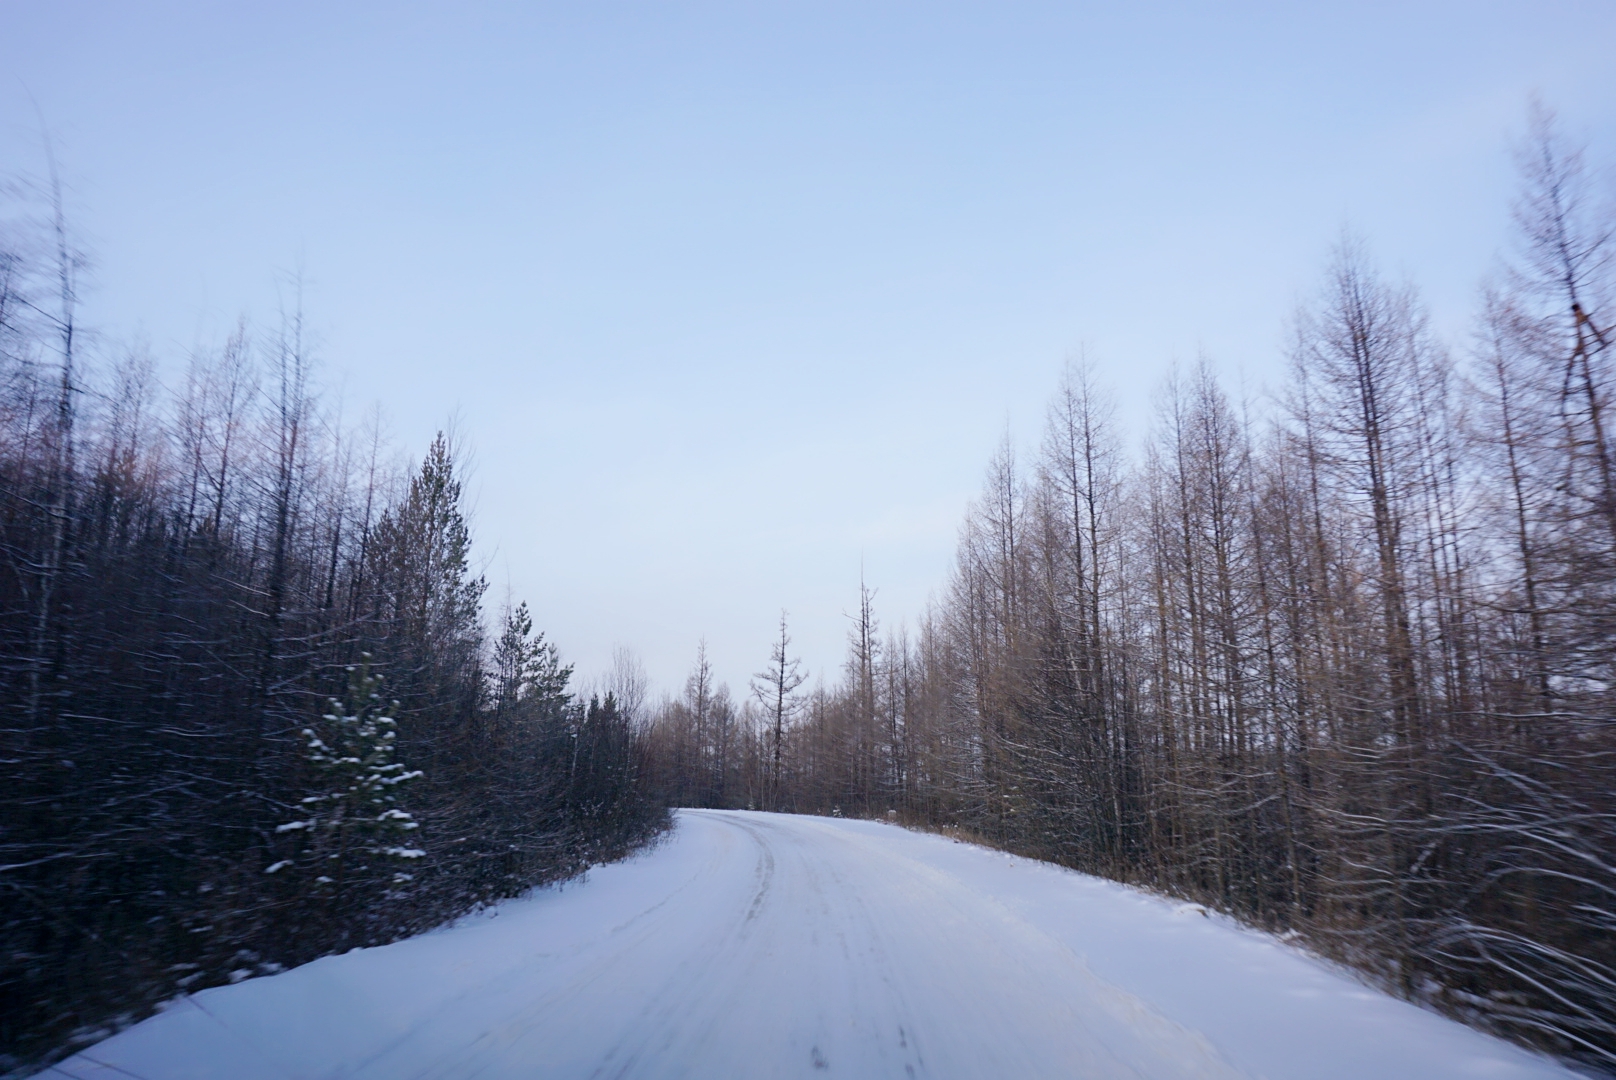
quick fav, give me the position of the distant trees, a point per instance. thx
(704, 749)
(186, 584)
(775, 688)
(1343, 667)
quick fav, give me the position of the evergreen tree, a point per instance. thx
(357, 815)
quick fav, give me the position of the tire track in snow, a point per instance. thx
(759, 945)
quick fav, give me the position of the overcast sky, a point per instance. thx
(732, 299)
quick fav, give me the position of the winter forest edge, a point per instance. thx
(253, 713)
(1336, 661)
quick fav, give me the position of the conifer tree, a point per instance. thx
(357, 814)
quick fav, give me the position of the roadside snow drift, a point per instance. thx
(762, 945)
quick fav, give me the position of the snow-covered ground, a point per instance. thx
(760, 945)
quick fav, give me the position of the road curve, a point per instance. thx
(761, 945)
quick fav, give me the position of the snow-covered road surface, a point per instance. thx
(760, 945)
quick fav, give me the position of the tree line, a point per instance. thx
(1338, 662)
(249, 710)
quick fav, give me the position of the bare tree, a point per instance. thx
(775, 688)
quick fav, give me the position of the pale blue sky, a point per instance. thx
(729, 297)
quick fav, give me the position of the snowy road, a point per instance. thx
(759, 945)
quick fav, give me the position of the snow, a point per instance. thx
(763, 945)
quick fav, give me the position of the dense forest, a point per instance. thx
(249, 710)
(1337, 661)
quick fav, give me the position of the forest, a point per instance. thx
(1337, 661)
(252, 713)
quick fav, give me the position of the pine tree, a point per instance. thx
(527, 677)
(357, 815)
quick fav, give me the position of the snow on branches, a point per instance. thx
(352, 751)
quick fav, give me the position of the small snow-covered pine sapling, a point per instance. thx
(357, 813)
